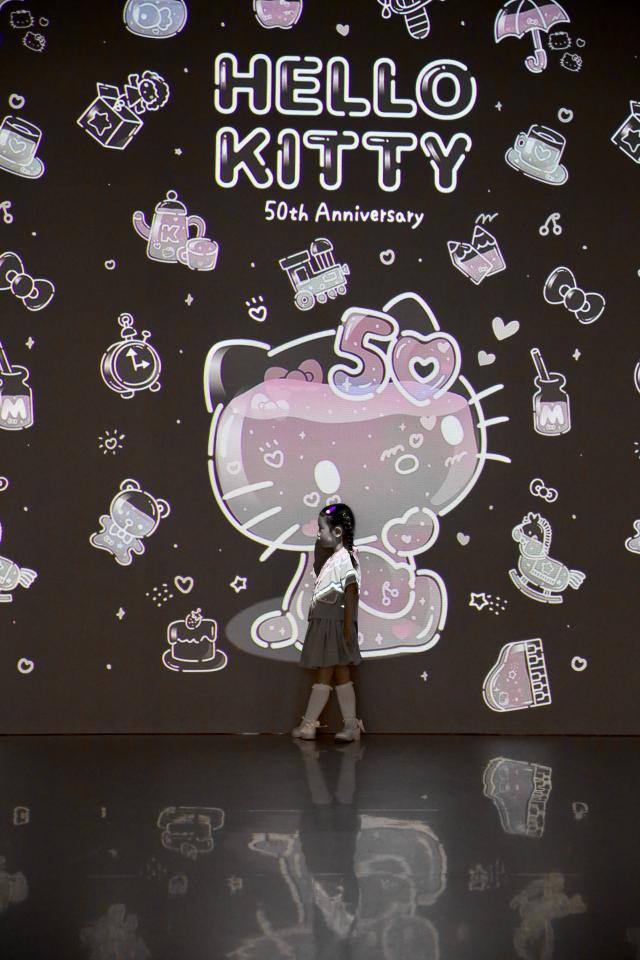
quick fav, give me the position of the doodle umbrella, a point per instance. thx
(518, 17)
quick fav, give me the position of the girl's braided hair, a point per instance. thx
(340, 515)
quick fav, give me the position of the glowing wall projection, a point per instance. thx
(259, 257)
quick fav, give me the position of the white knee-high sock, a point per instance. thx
(347, 699)
(320, 693)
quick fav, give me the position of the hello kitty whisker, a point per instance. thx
(249, 488)
(280, 540)
(260, 517)
(486, 393)
(494, 456)
(492, 422)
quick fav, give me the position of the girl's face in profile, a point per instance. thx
(326, 535)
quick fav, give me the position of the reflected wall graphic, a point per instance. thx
(260, 256)
(520, 792)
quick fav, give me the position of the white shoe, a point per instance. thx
(351, 730)
(306, 730)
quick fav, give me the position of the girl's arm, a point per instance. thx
(320, 556)
(350, 608)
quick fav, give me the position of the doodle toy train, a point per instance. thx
(315, 275)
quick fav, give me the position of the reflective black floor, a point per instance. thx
(402, 848)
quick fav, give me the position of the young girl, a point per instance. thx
(331, 641)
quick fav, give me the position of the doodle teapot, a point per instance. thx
(169, 230)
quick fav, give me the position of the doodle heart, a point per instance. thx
(274, 14)
(156, 19)
(257, 309)
(502, 330)
(537, 154)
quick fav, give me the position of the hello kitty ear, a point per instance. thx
(231, 367)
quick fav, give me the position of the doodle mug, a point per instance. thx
(538, 152)
(19, 141)
(199, 253)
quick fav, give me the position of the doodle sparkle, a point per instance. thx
(297, 86)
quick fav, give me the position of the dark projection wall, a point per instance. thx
(258, 257)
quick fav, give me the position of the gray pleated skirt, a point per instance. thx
(324, 643)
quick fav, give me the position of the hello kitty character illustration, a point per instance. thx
(379, 416)
(133, 515)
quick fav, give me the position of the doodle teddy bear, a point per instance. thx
(133, 515)
(12, 576)
(383, 431)
(538, 576)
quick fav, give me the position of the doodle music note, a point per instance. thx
(554, 219)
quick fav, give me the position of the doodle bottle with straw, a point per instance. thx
(16, 404)
(551, 412)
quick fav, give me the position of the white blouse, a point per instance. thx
(337, 572)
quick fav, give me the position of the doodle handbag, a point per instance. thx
(131, 364)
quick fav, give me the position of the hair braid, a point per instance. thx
(340, 515)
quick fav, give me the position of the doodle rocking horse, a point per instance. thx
(538, 576)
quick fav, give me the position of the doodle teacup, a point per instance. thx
(199, 253)
(539, 150)
(19, 141)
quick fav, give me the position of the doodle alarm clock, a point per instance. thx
(132, 364)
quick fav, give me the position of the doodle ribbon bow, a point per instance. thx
(561, 287)
(35, 294)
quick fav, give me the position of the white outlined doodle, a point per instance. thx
(519, 17)
(36, 42)
(414, 13)
(538, 488)
(16, 397)
(315, 275)
(282, 14)
(35, 294)
(19, 19)
(113, 117)
(518, 680)
(192, 645)
(520, 792)
(627, 136)
(479, 259)
(189, 832)
(168, 238)
(156, 19)
(561, 287)
(131, 364)
(571, 61)
(633, 543)
(12, 576)
(134, 514)
(5, 207)
(553, 219)
(551, 406)
(111, 442)
(539, 576)
(257, 308)
(537, 154)
(4, 484)
(19, 142)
